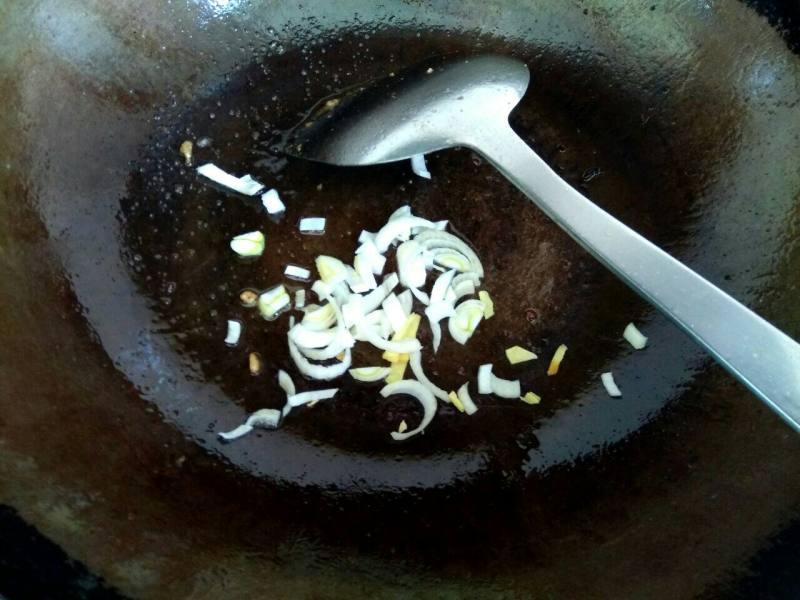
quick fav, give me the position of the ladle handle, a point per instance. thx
(762, 357)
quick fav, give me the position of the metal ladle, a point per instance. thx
(466, 102)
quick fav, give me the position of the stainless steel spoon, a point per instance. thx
(466, 102)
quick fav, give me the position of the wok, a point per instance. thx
(679, 119)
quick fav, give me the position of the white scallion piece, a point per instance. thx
(319, 317)
(312, 225)
(353, 310)
(436, 335)
(312, 396)
(377, 262)
(310, 338)
(465, 321)
(419, 167)
(321, 289)
(342, 341)
(421, 296)
(440, 307)
(463, 288)
(366, 236)
(272, 302)
(248, 180)
(236, 433)
(273, 293)
(340, 292)
(610, 385)
(467, 276)
(450, 259)
(398, 229)
(357, 283)
(406, 301)
(244, 185)
(331, 270)
(634, 336)
(286, 383)
(415, 361)
(377, 320)
(394, 312)
(317, 371)
(297, 273)
(505, 388)
(363, 266)
(485, 379)
(359, 287)
(488, 304)
(369, 374)
(465, 283)
(402, 211)
(267, 418)
(300, 299)
(411, 265)
(440, 287)
(367, 244)
(374, 299)
(466, 400)
(248, 244)
(435, 312)
(272, 202)
(381, 322)
(422, 394)
(433, 240)
(234, 332)
(401, 347)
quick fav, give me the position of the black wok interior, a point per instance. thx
(115, 259)
(177, 229)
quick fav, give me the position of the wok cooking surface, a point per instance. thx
(126, 380)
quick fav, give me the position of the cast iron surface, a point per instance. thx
(114, 382)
